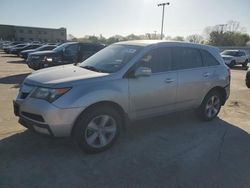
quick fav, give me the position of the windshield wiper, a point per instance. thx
(91, 68)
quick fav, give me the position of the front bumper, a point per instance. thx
(46, 118)
(34, 64)
(227, 89)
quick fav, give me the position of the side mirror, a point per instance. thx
(143, 71)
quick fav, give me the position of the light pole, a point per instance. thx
(162, 22)
(155, 33)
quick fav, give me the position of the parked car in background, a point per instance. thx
(24, 54)
(4, 43)
(248, 78)
(70, 52)
(7, 49)
(16, 50)
(125, 81)
(235, 57)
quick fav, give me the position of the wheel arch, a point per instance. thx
(222, 92)
(109, 104)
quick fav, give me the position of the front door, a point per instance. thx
(154, 94)
(70, 54)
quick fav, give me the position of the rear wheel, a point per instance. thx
(97, 129)
(210, 106)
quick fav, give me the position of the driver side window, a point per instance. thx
(159, 60)
(71, 50)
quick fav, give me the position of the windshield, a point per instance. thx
(42, 48)
(231, 53)
(61, 47)
(111, 59)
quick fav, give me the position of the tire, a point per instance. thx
(97, 129)
(245, 63)
(210, 106)
(233, 63)
(248, 83)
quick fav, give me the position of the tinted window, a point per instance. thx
(231, 53)
(186, 58)
(71, 50)
(159, 60)
(87, 51)
(242, 54)
(49, 48)
(208, 59)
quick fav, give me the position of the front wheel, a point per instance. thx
(97, 129)
(210, 106)
(245, 63)
(248, 83)
(232, 63)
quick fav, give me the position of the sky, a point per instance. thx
(111, 17)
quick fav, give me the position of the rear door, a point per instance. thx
(154, 94)
(192, 76)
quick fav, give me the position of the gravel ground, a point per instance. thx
(176, 150)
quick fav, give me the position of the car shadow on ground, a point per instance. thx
(14, 79)
(176, 150)
(13, 56)
(17, 62)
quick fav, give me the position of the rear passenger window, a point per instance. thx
(159, 60)
(186, 58)
(208, 59)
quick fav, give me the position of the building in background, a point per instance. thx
(29, 34)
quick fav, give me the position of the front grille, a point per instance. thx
(33, 116)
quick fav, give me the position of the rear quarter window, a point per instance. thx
(208, 59)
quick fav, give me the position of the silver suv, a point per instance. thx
(131, 80)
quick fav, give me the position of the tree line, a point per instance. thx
(229, 34)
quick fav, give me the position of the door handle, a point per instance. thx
(169, 80)
(207, 74)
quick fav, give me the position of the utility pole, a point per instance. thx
(162, 21)
(155, 33)
(222, 26)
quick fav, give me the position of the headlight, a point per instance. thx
(48, 59)
(49, 94)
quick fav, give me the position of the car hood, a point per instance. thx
(48, 52)
(61, 76)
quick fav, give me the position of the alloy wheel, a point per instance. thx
(100, 131)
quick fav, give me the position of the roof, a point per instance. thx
(145, 43)
(233, 50)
